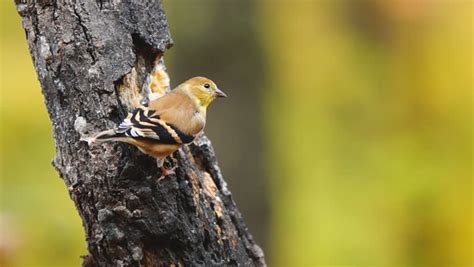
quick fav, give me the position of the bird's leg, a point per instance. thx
(164, 171)
(160, 164)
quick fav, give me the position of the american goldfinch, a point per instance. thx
(166, 123)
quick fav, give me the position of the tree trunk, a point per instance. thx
(89, 55)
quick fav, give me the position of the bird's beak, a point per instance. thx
(219, 93)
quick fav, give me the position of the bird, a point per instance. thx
(163, 125)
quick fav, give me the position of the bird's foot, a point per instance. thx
(165, 172)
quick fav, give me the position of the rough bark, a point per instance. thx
(84, 53)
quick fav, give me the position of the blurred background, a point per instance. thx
(346, 138)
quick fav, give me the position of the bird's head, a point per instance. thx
(202, 90)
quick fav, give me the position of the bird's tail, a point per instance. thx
(105, 136)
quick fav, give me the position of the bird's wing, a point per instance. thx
(145, 123)
(178, 108)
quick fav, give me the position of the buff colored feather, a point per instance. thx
(166, 123)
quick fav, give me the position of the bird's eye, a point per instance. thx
(206, 85)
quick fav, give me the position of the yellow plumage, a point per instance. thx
(166, 123)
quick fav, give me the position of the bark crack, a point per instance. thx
(87, 36)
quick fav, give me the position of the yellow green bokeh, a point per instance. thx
(371, 131)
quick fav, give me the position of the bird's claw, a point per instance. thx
(166, 172)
